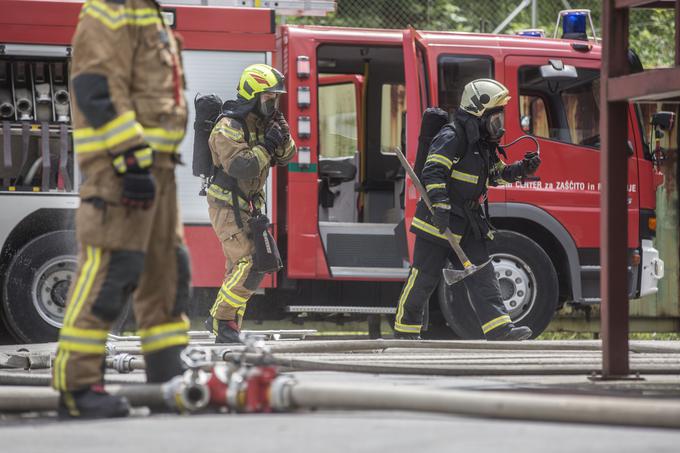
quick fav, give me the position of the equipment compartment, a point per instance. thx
(36, 153)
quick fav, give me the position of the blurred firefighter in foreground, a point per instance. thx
(250, 136)
(129, 116)
(461, 162)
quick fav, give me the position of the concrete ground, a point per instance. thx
(329, 432)
(385, 431)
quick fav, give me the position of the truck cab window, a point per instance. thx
(565, 111)
(337, 120)
(457, 71)
(392, 107)
(533, 116)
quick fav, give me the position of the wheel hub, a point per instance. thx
(50, 288)
(517, 284)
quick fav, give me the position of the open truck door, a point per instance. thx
(415, 76)
(345, 206)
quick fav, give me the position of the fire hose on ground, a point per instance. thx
(252, 385)
(261, 389)
(381, 344)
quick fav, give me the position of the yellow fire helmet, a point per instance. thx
(260, 78)
(483, 94)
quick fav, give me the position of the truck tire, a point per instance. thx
(528, 284)
(36, 286)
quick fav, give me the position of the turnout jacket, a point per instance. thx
(238, 141)
(457, 172)
(127, 84)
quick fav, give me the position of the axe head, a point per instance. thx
(452, 276)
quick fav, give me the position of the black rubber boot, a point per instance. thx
(163, 365)
(92, 403)
(406, 336)
(510, 333)
(225, 331)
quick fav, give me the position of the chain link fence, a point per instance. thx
(651, 34)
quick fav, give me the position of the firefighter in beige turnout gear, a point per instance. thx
(249, 137)
(129, 117)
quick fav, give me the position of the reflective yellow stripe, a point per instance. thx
(225, 195)
(226, 292)
(229, 132)
(163, 328)
(404, 294)
(71, 404)
(166, 342)
(465, 177)
(440, 185)
(124, 128)
(164, 336)
(87, 341)
(439, 159)
(115, 18)
(113, 133)
(91, 334)
(85, 348)
(430, 229)
(407, 328)
(163, 140)
(441, 205)
(262, 155)
(496, 322)
(144, 157)
(84, 285)
(57, 379)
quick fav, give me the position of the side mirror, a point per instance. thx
(663, 120)
(557, 71)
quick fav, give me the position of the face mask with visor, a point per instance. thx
(493, 124)
(267, 107)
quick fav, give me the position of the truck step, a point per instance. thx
(340, 309)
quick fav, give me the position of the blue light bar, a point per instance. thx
(574, 25)
(532, 32)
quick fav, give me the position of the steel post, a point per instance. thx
(614, 177)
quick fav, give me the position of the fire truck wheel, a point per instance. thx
(528, 283)
(36, 286)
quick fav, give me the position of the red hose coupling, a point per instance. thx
(257, 393)
(218, 385)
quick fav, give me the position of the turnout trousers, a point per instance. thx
(240, 279)
(429, 258)
(125, 251)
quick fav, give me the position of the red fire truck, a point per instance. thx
(342, 209)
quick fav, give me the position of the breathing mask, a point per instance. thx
(493, 125)
(267, 105)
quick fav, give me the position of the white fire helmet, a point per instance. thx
(483, 94)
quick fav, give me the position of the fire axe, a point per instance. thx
(451, 276)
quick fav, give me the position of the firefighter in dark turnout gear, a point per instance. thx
(250, 136)
(129, 117)
(461, 162)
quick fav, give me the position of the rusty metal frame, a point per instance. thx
(618, 88)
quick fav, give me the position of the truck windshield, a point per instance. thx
(568, 111)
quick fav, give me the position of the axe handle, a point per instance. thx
(423, 194)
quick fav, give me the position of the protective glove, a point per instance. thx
(139, 187)
(440, 218)
(139, 190)
(530, 164)
(283, 124)
(273, 138)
